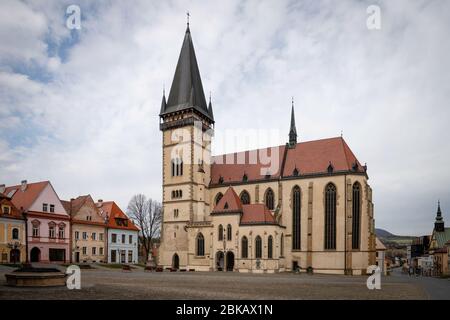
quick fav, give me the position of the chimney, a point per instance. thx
(99, 203)
(23, 186)
(2, 188)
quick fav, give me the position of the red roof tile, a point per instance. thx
(114, 213)
(25, 199)
(230, 202)
(257, 213)
(14, 212)
(311, 157)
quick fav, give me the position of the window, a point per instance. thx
(269, 198)
(122, 256)
(52, 208)
(218, 197)
(330, 217)
(101, 251)
(296, 212)
(61, 233)
(258, 247)
(220, 231)
(113, 256)
(177, 194)
(36, 226)
(130, 239)
(100, 236)
(177, 167)
(245, 197)
(44, 207)
(15, 234)
(200, 245)
(130, 256)
(244, 247)
(6, 210)
(123, 238)
(77, 235)
(229, 231)
(113, 238)
(84, 235)
(84, 250)
(356, 215)
(270, 247)
(51, 232)
(175, 213)
(94, 236)
(282, 245)
(94, 251)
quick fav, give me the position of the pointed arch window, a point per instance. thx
(177, 167)
(229, 232)
(330, 217)
(270, 247)
(258, 247)
(282, 245)
(356, 215)
(218, 197)
(245, 197)
(244, 247)
(296, 215)
(220, 232)
(270, 199)
(200, 245)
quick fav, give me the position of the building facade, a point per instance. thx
(122, 234)
(88, 230)
(12, 231)
(308, 208)
(440, 245)
(48, 223)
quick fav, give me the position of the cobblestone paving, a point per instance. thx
(116, 284)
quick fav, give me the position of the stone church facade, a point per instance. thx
(303, 205)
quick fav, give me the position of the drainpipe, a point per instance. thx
(25, 215)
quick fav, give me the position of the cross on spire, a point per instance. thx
(187, 16)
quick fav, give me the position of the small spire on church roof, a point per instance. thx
(292, 129)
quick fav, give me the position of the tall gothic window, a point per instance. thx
(200, 245)
(258, 247)
(229, 230)
(220, 232)
(245, 197)
(269, 198)
(356, 215)
(177, 167)
(296, 212)
(270, 247)
(330, 216)
(282, 245)
(244, 248)
(218, 197)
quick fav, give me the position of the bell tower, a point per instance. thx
(186, 122)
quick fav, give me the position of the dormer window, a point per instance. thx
(220, 180)
(330, 168)
(6, 209)
(355, 166)
(245, 177)
(295, 173)
(226, 205)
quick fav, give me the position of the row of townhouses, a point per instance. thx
(37, 226)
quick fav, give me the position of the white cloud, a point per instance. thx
(93, 127)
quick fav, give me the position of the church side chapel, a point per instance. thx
(230, 213)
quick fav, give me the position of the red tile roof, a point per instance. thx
(230, 202)
(114, 213)
(311, 157)
(257, 213)
(25, 199)
(14, 212)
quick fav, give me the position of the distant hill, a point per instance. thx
(392, 240)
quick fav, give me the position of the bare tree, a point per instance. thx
(147, 214)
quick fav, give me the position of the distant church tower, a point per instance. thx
(439, 223)
(187, 125)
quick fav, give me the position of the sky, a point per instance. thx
(79, 107)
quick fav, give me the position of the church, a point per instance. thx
(309, 208)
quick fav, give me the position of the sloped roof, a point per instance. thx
(25, 199)
(442, 237)
(111, 210)
(230, 202)
(379, 244)
(187, 89)
(311, 157)
(14, 212)
(256, 213)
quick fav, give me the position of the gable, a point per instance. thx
(49, 196)
(88, 209)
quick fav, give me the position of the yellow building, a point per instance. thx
(88, 230)
(299, 206)
(12, 231)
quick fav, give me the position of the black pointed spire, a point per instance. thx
(210, 110)
(293, 129)
(439, 222)
(163, 102)
(187, 90)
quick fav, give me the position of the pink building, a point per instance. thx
(48, 223)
